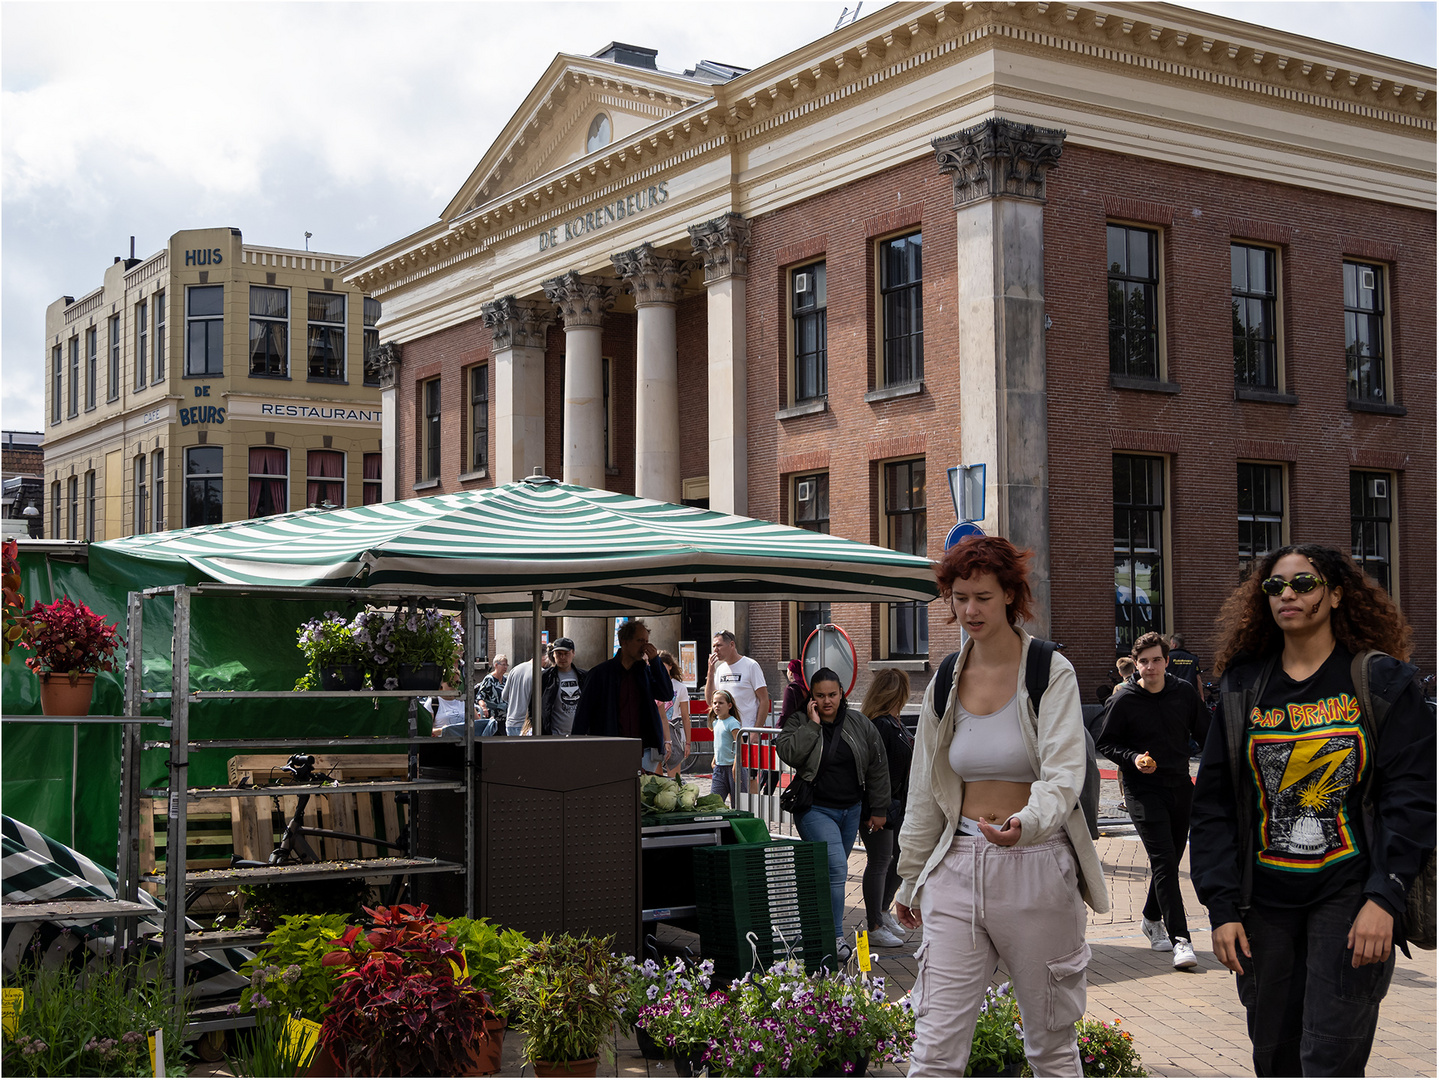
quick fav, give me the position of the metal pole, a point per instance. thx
(535, 718)
(127, 856)
(74, 769)
(179, 783)
(472, 648)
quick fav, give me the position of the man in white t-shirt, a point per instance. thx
(742, 677)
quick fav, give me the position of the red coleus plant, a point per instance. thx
(406, 1006)
(69, 638)
(15, 621)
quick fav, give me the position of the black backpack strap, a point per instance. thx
(944, 683)
(1036, 669)
(1235, 705)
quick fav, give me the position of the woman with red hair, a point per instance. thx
(995, 852)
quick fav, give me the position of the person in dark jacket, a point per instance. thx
(619, 694)
(1150, 722)
(840, 754)
(883, 701)
(796, 694)
(1183, 664)
(1306, 899)
(560, 688)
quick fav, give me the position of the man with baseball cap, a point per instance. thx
(560, 689)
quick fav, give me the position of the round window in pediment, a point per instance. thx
(600, 133)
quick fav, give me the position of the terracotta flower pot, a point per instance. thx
(59, 697)
(583, 1067)
(488, 1053)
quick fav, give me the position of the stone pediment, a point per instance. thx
(551, 127)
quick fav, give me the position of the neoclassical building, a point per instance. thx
(1159, 285)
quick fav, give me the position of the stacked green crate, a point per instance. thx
(779, 891)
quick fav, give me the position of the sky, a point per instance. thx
(357, 122)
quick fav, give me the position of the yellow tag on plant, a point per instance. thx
(14, 1006)
(861, 948)
(303, 1036)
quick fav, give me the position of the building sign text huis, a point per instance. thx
(605, 214)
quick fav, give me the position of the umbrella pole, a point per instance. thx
(536, 670)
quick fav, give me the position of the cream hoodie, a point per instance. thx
(1054, 741)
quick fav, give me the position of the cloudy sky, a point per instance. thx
(356, 122)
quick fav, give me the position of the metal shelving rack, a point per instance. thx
(181, 696)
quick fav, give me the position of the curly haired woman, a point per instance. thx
(1305, 900)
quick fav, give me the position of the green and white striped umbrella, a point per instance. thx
(591, 552)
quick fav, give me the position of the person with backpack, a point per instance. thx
(883, 702)
(1314, 807)
(1148, 724)
(996, 856)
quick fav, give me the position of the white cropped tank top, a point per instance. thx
(990, 747)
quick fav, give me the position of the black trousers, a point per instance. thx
(881, 873)
(1310, 1011)
(1160, 812)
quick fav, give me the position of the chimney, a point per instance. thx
(131, 261)
(617, 52)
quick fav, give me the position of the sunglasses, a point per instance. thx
(1300, 583)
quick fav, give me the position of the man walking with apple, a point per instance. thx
(1151, 718)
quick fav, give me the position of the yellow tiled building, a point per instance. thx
(214, 381)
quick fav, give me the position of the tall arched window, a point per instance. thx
(600, 133)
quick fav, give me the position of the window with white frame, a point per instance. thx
(1365, 347)
(112, 385)
(269, 331)
(92, 367)
(1261, 510)
(269, 481)
(324, 478)
(142, 343)
(74, 409)
(90, 505)
(1254, 294)
(204, 485)
(55, 530)
(57, 383)
(159, 336)
(906, 529)
(72, 492)
(157, 490)
(205, 330)
(1133, 301)
(325, 340)
(139, 501)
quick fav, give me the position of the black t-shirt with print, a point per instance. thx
(1307, 757)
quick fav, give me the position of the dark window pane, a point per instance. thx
(207, 300)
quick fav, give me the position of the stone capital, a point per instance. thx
(517, 324)
(723, 244)
(383, 364)
(582, 300)
(652, 278)
(997, 158)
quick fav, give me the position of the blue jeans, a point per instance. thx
(837, 828)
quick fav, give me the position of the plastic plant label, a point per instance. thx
(861, 948)
(302, 1036)
(14, 1006)
(156, 1040)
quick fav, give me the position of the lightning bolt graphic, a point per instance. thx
(1302, 762)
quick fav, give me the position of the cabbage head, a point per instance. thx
(666, 800)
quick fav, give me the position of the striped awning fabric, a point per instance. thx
(591, 552)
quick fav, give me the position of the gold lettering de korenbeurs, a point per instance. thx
(606, 214)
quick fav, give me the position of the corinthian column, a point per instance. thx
(998, 169)
(656, 281)
(518, 329)
(583, 302)
(723, 246)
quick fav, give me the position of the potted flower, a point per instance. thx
(406, 1006)
(270, 1048)
(1107, 1050)
(335, 658)
(567, 993)
(71, 645)
(290, 965)
(998, 1046)
(648, 984)
(410, 650)
(683, 1023)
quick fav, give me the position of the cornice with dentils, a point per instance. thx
(1163, 40)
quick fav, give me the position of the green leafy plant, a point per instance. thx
(1107, 1050)
(405, 1006)
(567, 992)
(268, 905)
(289, 971)
(69, 638)
(16, 624)
(94, 1023)
(270, 1048)
(488, 949)
(685, 1021)
(328, 642)
(998, 1034)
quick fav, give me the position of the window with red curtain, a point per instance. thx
(326, 478)
(374, 475)
(269, 480)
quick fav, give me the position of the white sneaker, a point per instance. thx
(1184, 957)
(843, 950)
(882, 937)
(1158, 936)
(893, 925)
